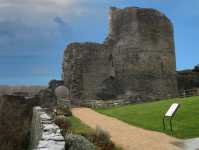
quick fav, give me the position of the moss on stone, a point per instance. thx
(70, 56)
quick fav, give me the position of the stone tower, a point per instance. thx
(136, 59)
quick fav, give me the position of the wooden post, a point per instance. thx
(94, 104)
(184, 94)
(101, 104)
(138, 100)
(122, 102)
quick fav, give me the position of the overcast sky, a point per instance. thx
(35, 33)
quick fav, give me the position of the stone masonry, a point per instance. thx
(44, 133)
(136, 59)
(47, 98)
(187, 79)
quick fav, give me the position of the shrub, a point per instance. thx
(64, 109)
(59, 107)
(103, 137)
(68, 111)
(65, 125)
(76, 141)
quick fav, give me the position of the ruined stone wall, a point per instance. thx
(25, 94)
(187, 79)
(53, 84)
(85, 66)
(136, 59)
(47, 98)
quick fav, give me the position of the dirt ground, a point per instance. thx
(124, 135)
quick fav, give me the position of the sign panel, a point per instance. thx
(172, 109)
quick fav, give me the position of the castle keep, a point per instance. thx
(136, 59)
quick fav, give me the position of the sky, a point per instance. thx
(35, 33)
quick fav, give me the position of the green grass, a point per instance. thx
(80, 126)
(83, 128)
(149, 116)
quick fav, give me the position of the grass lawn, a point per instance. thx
(185, 122)
(83, 128)
(80, 127)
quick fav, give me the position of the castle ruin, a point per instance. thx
(136, 59)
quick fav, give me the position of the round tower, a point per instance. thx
(143, 53)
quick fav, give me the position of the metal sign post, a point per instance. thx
(170, 113)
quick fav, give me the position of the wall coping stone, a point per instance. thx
(51, 138)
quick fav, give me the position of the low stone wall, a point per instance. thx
(187, 79)
(63, 102)
(105, 104)
(44, 133)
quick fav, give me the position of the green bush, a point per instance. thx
(77, 142)
(68, 111)
(59, 107)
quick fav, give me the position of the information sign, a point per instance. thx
(170, 112)
(172, 109)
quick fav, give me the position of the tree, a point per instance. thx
(4, 89)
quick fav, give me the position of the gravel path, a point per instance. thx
(125, 135)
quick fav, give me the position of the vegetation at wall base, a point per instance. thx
(15, 125)
(71, 124)
(85, 130)
(149, 116)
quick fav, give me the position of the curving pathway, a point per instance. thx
(124, 135)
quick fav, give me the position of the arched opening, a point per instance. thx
(62, 92)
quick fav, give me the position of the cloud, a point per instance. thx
(16, 33)
(63, 26)
(41, 12)
(37, 70)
